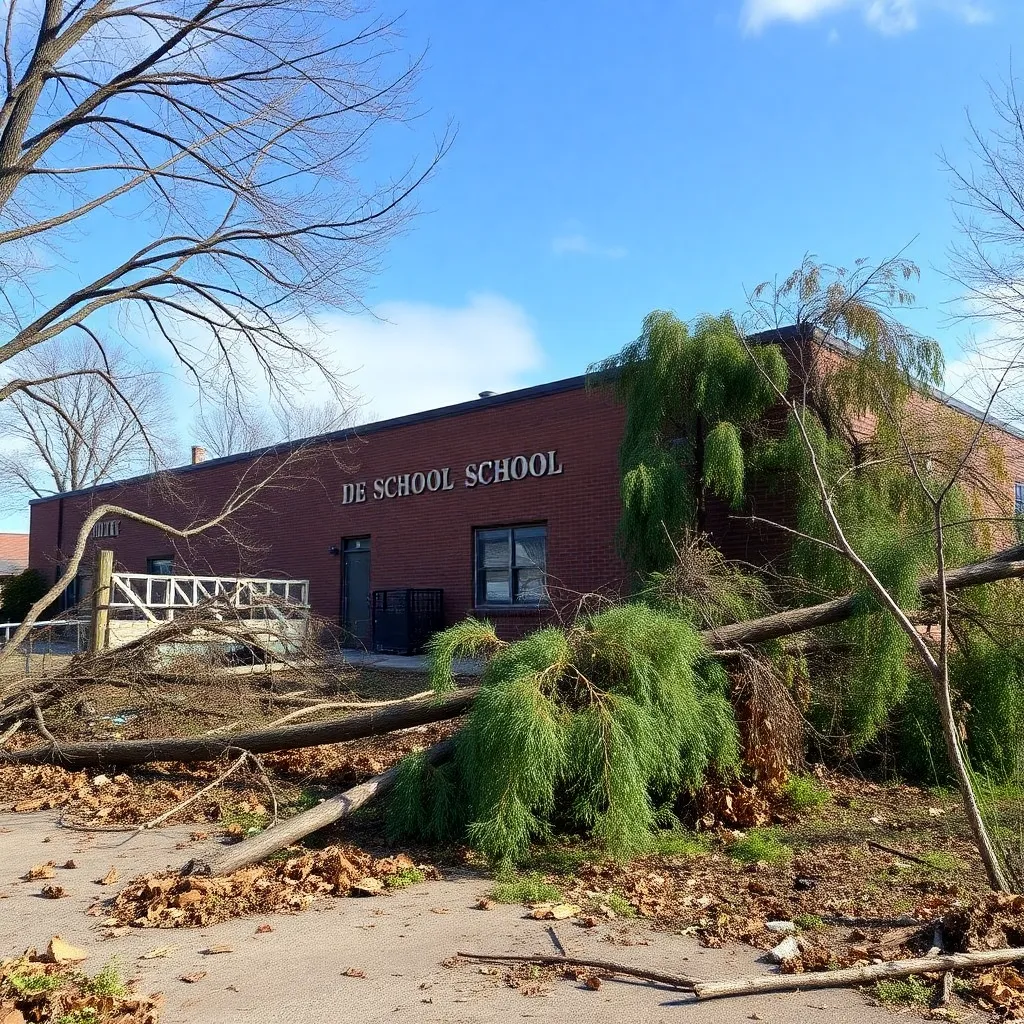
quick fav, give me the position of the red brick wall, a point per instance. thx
(423, 540)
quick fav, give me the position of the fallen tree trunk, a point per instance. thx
(262, 741)
(250, 851)
(1006, 565)
(856, 975)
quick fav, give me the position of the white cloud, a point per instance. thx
(890, 17)
(580, 245)
(399, 358)
(412, 356)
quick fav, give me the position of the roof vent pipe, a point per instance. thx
(487, 394)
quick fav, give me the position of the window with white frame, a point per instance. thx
(511, 565)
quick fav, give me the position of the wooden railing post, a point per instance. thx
(101, 600)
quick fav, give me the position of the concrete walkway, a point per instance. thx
(405, 662)
(296, 972)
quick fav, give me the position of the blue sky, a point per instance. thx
(609, 163)
(614, 160)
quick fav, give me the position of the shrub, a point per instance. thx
(19, 593)
(531, 888)
(804, 791)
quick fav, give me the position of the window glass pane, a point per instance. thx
(530, 546)
(1019, 498)
(492, 549)
(494, 585)
(529, 586)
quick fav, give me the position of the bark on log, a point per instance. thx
(262, 741)
(1006, 565)
(250, 851)
(856, 975)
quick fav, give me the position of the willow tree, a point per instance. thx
(689, 393)
(885, 492)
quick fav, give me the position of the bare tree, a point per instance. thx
(213, 145)
(886, 359)
(80, 433)
(192, 172)
(243, 425)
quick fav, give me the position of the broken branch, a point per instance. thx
(856, 975)
(607, 966)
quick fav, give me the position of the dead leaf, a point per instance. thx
(593, 982)
(264, 929)
(935, 812)
(69, 864)
(439, 910)
(159, 951)
(368, 886)
(60, 952)
(191, 979)
(46, 870)
(109, 878)
(354, 972)
(53, 892)
(213, 950)
(484, 904)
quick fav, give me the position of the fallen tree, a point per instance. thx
(1007, 564)
(251, 851)
(856, 975)
(209, 748)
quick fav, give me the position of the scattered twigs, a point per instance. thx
(375, 722)
(346, 705)
(856, 975)
(672, 980)
(37, 712)
(10, 731)
(258, 765)
(898, 853)
(161, 818)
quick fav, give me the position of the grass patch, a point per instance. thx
(31, 984)
(808, 922)
(679, 843)
(529, 888)
(560, 860)
(618, 904)
(942, 861)
(403, 879)
(904, 992)
(761, 845)
(85, 1015)
(804, 792)
(107, 983)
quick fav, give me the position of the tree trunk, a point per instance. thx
(1007, 564)
(855, 975)
(208, 748)
(250, 851)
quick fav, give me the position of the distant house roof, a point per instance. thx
(13, 553)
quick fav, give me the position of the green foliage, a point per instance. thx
(32, 983)
(618, 904)
(808, 922)
(705, 588)
(586, 728)
(688, 394)
(404, 878)
(803, 792)
(904, 992)
(679, 843)
(467, 639)
(761, 845)
(108, 982)
(19, 593)
(532, 888)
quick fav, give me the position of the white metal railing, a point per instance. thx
(151, 594)
(72, 630)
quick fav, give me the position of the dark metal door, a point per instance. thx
(355, 592)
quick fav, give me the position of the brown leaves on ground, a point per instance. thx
(993, 921)
(170, 900)
(1001, 989)
(34, 989)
